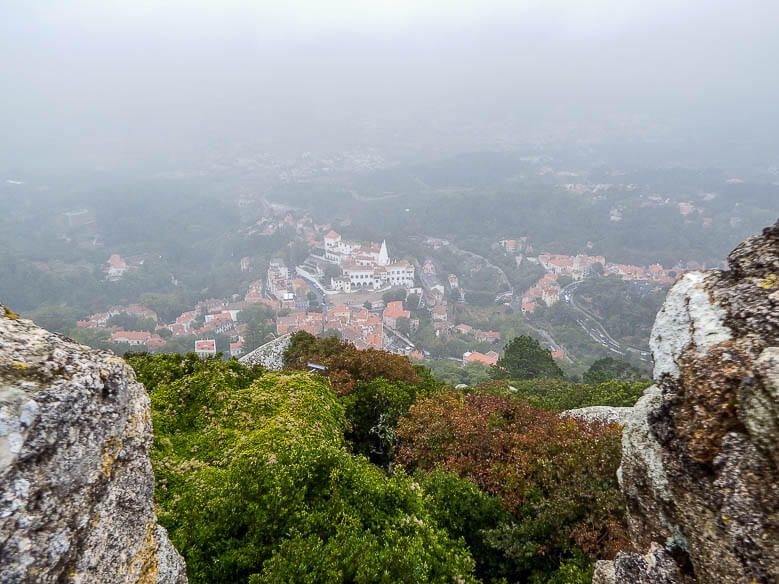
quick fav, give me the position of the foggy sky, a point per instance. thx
(91, 84)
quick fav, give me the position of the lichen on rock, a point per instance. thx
(700, 461)
(608, 414)
(76, 484)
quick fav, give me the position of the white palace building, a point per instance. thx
(365, 266)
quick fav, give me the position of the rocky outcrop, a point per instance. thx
(270, 355)
(700, 460)
(76, 484)
(608, 414)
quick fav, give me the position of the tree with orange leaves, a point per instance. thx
(555, 476)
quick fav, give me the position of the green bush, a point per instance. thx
(373, 410)
(467, 512)
(560, 395)
(610, 368)
(255, 484)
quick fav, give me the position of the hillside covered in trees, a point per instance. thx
(374, 471)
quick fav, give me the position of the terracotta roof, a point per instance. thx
(475, 357)
(116, 261)
(394, 309)
(205, 345)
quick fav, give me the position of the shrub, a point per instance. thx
(556, 476)
(609, 368)
(254, 484)
(373, 410)
(346, 365)
(560, 395)
(465, 511)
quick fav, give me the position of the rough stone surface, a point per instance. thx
(600, 414)
(270, 355)
(657, 566)
(76, 484)
(700, 459)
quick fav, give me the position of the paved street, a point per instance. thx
(594, 328)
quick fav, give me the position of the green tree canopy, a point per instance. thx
(131, 322)
(57, 318)
(610, 368)
(373, 410)
(393, 295)
(255, 484)
(525, 358)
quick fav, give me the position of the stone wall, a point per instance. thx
(270, 355)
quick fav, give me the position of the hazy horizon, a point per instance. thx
(91, 85)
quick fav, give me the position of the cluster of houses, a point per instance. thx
(488, 358)
(546, 289)
(360, 326)
(577, 267)
(654, 273)
(116, 266)
(277, 217)
(580, 266)
(478, 334)
(434, 296)
(435, 299)
(357, 325)
(516, 245)
(147, 340)
(208, 319)
(102, 320)
(218, 316)
(290, 292)
(491, 357)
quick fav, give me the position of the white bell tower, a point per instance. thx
(384, 259)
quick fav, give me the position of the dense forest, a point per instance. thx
(375, 471)
(476, 198)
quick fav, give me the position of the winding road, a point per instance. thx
(592, 326)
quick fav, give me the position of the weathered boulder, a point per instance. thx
(76, 484)
(608, 414)
(700, 460)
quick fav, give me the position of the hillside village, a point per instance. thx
(402, 291)
(359, 292)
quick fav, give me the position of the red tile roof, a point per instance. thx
(205, 345)
(116, 261)
(475, 357)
